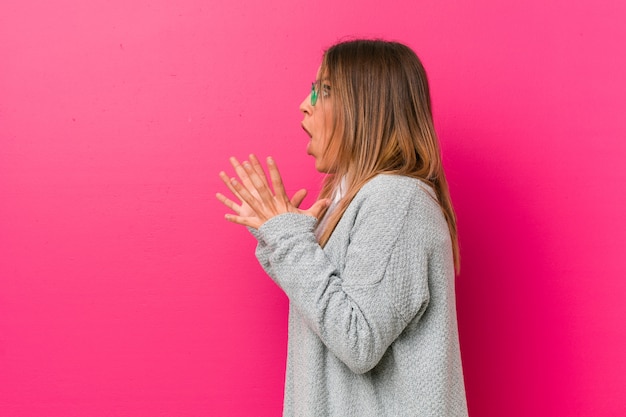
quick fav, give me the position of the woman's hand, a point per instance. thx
(258, 203)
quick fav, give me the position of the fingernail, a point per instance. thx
(270, 160)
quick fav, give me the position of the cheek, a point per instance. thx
(330, 124)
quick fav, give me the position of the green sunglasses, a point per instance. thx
(314, 93)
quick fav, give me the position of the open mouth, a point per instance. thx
(307, 132)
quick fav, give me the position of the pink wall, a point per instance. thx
(124, 293)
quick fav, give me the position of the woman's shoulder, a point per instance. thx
(400, 205)
(394, 197)
(397, 188)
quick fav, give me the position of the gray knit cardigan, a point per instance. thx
(372, 320)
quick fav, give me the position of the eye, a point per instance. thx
(325, 90)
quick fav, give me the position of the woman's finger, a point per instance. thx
(318, 209)
(258, 168)
(245, 221)
(246, 196)
(260, 186)
(298, 197)
(277, 181)
(228, 203)
(256, 184)
(241, 173)
(226, 180)
(249, 178)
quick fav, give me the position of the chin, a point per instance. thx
(322, 169)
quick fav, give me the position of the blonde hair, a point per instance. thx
(382, 124)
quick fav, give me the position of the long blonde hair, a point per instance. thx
(382, 124)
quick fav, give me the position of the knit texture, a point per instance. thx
(372, 320)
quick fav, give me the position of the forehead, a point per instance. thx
(319, 76)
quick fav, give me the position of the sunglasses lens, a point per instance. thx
(313, 95)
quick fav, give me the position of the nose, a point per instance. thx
(305, 106)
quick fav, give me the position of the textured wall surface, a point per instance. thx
(123, 292)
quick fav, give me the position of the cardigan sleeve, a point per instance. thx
(360, 310)
(262, 252)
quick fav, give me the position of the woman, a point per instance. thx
(369, 269)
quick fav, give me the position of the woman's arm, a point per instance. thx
(262, 252)
(359, 311)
